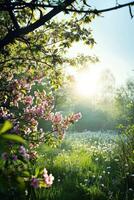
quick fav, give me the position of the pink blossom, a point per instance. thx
(65, 124)
(77, 116)
(50, 116)
(57, 118)
(74, 117)
(28, 100)
(45, 103)
(49, 180)
(40, 110)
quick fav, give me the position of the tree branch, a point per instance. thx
(95, 11)
(14, 34)
(21, 5)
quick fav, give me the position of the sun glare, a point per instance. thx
(87, 83)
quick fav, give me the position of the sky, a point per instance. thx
(114, 35)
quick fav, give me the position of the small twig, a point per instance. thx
(130, 11)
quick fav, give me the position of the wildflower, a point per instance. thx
(24, 153)
(49, 180)
(22, 150)
(26, 156)
(35, 182)
(14, 157)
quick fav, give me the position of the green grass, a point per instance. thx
(88, 166)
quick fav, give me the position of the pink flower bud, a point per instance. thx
(28, 100)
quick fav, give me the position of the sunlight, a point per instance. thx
(87, 82)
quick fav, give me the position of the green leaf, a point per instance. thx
(26, 173)
(37, 170)
(21, 182)
(6, 126)
(14, 137)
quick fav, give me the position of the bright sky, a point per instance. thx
(114, 34)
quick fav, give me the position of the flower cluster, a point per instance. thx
(42, 106)
(5, 156)
(5, 113)
(19, 87)
(45, 181)
(23, 152)
(24, 107)
(48, 179)
(34, 107)
(60, 124)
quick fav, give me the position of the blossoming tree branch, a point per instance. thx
(24, 110)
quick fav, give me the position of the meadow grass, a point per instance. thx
(88, 166)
